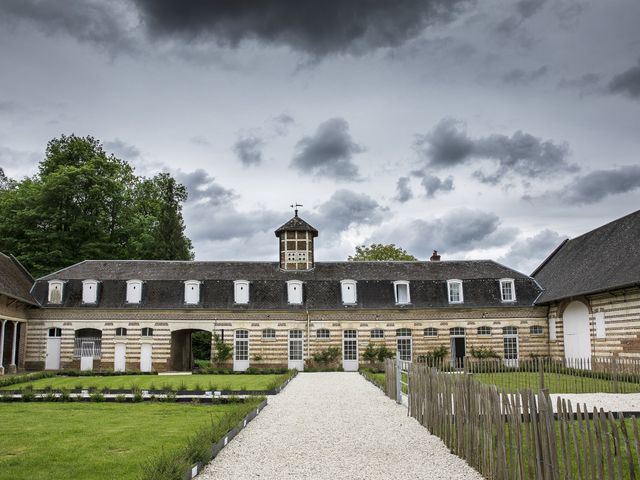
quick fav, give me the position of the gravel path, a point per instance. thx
(616, 402)
(334, 426)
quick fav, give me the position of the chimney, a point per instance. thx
(435, 257)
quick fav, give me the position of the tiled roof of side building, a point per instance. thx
(603, 259)
(15, 281)
(163, 283)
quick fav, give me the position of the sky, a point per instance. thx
(490, 129)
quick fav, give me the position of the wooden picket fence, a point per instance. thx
(518, 436)
(390, 378)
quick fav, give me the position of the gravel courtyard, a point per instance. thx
(334, 426)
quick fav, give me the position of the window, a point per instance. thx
(323, 333)
(430, 332)
(403, 343)
(294, 292)
(401, 290)
(121, 332)
(600, 327)
(268, 334)
(507, 290)
(191, 292)
(403, 332)
(241, 350)
(509, 331)
(134, 291)
(349, 295)
(456, 332)
(536, 330)
(89, 291)
(454, 291)
(55, 332)
(147, 332)
(377, 333)
(484, 330)
(55, 291)
(510, 345)
(241, 291)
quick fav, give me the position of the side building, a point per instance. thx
(592, 288)
(140, 315)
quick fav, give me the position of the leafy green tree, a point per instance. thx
(86, 204)
(201, 345)
(380, 252)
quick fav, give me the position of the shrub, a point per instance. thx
(384, 353)
(27, 395)
(121, 398)
(223, 350)
(97, 397)
(370, 353)
(327, 356)
(137, 397)
(434, 357)
(483, 352)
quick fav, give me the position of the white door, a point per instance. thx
(577, 337)
(145, 357)
(86, 356)
(510, 344)
(296, 347)
(52, 361)
(350, 351)
(241, 351)
(119, 357)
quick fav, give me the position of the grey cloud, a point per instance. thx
(316, 28)
(627, 83)
(248, 149)
(346, 209)
(585, 84)
(17, 163)
(456, 232)
(527, 254)
(519, 76)
(448, 145)
(599, 184)
(203, 188)
(122, 149)
(328, 152)
(433, 185)
(206, 224)
(282, 123)
(524, 9)
(403, 190)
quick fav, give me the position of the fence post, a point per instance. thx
(541, 372)
(398, 379)
(614, 371)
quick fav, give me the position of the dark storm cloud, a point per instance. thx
(433, 185)
(596, 185)
(449, 145)
(248, 149)
(525, 255)
(627, 83)
(203, 188)
(403, 190)
(105, 24)
(317, 28)
(345, 209)
(519, 76)
(122, 149)
(328, 152)
(456, 232)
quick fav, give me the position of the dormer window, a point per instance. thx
(89, 291)
(241, 291)
(349, 293)
(55, 291)
(294, 292)
(192, 292)
(134, 291)
(454, 291)
(401, 290)
(507, 290)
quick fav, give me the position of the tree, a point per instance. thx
(86, 204)
(380, 252)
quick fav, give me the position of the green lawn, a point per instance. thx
(554, 382)
(96, 441)
(377, 378)
(151, 382)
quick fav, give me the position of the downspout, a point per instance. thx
(308, 335)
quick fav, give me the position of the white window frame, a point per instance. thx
(323, 336)
(430, 330)
(294, 292)
(450, 283)
(145, 331)
(483, 327)
(347, 286)
(120, 332)
(52, 287)
(536, 327)
(397, 284)
(134, 291)
(90, 292)
(269, 337)
(241, 291)
(513, 290)
(377, 330)
(188, 299)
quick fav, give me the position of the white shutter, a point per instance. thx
(294, 291)
(348, 288)
(89, 291)
(600, 326)
(134, 291)
(191, 292)
(241, 291)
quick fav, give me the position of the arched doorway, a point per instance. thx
(187, 346)
(88, 346)
(577, 336)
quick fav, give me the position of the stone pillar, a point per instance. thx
(12, 366)
(4, 322)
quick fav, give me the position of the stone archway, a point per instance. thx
(182, 349)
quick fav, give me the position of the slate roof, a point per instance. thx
(163, 287)
(15, 281)
(603, 259)
(296, 224)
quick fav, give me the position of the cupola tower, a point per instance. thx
(296, 243)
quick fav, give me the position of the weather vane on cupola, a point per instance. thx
(295, 207)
